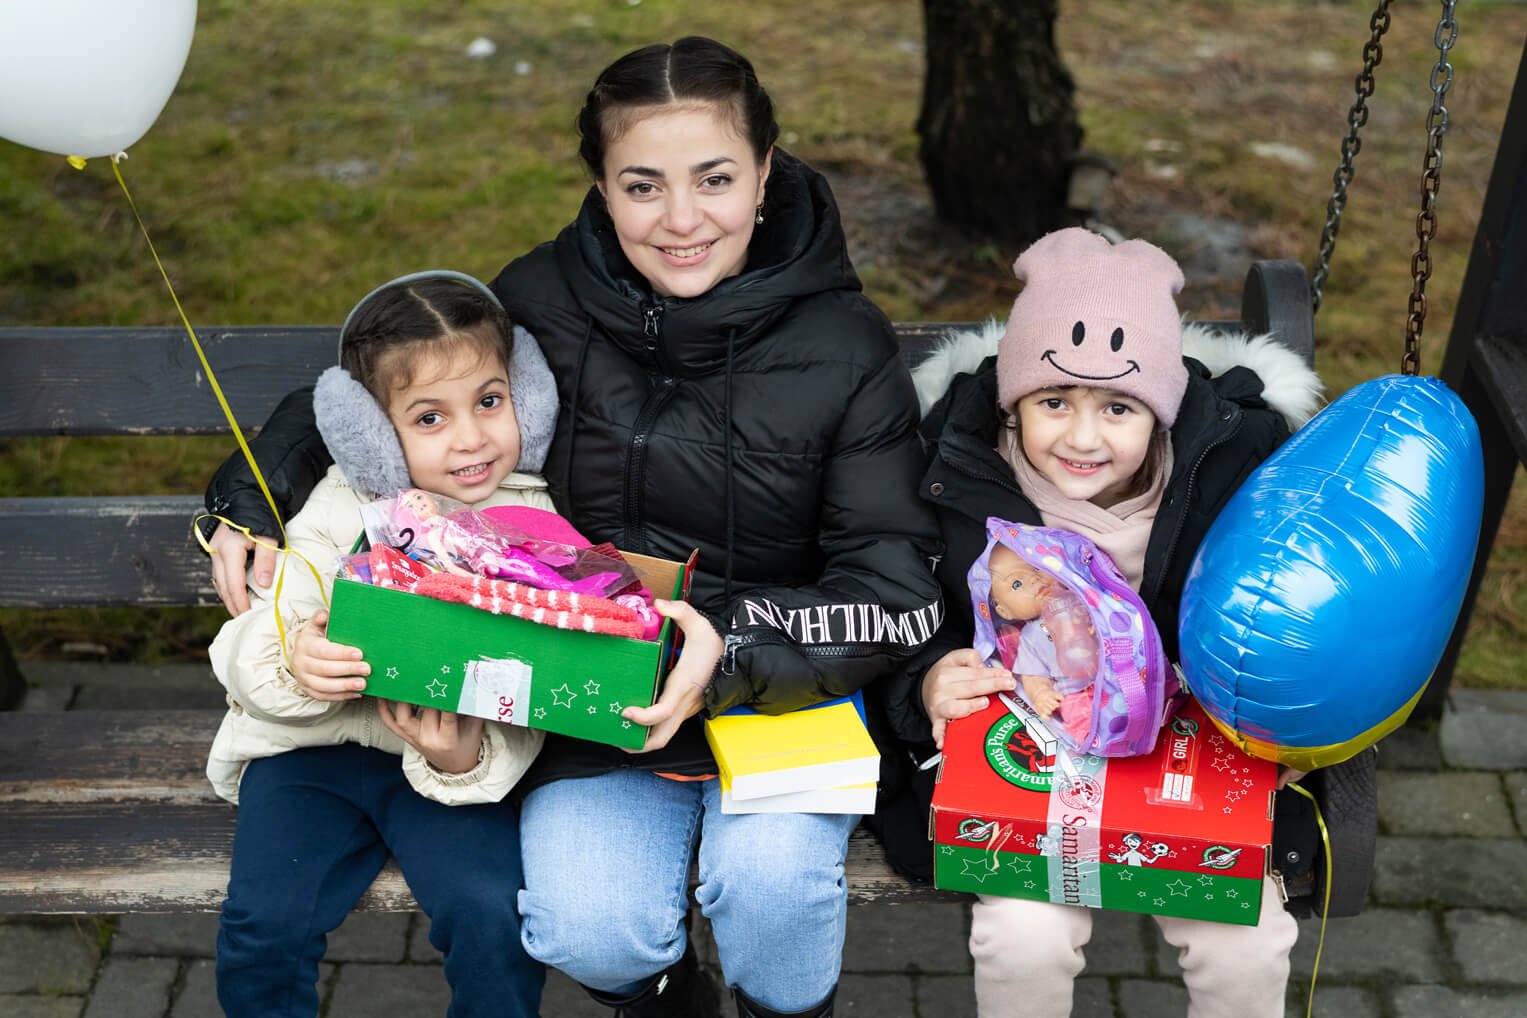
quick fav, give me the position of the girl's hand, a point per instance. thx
(958, 684)
(450, 742)
(324, 670)
(684, 690)
(1287, 774)
(230, 550)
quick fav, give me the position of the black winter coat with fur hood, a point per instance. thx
(768, 423)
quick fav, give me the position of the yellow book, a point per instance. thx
(821, 747)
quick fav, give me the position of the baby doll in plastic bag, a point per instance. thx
(1045, 638)
(1052, 608)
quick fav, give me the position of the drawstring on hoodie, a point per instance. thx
(731, 529)
(572, 419)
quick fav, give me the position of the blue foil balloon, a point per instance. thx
(1322, 598)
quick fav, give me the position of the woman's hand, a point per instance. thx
(958, 684)
(230, 551)
(450, 742)
(324, 670)
(684, 690)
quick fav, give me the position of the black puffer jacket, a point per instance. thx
(1224, 429)
(767, 423)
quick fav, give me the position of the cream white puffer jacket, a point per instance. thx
(267, 711)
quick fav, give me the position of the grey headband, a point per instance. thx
(361, 438)
(418, 277)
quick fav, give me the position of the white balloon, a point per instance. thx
(89, 77)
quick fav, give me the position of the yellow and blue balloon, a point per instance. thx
(1323, 596)
(89, 77)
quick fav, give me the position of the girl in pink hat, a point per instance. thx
(1100, 414)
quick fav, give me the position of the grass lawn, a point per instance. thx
(312, 150)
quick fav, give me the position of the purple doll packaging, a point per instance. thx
(1063, 619)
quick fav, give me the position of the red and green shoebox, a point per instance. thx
(1184, 831)
(459, 658)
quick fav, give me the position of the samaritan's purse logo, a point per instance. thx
(1219, 857)
(976, 829)
(1016, 756)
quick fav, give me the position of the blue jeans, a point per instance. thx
(314, 828)
(607, 877)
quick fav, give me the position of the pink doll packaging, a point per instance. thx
(1067, 624)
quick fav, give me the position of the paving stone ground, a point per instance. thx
(1444, 934)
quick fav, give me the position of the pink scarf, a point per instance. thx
(1123, 530)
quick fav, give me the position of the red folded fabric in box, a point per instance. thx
(549, 607)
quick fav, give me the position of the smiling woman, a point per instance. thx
(684, 190)
(725, 387)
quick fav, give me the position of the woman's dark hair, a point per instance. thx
(694, 70)
(442, 315)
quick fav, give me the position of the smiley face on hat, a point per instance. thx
(1095, 314)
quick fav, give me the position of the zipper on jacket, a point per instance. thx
(1187, 500)
(652, 325)
(636, 464)
(634, 537)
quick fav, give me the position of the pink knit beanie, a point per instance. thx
(1095, 314)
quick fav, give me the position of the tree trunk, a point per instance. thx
(998, 124)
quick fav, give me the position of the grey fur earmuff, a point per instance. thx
(362, 440)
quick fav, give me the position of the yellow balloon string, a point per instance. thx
(217, 390)
(1325, 907)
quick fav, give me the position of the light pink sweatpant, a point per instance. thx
(1029, 953)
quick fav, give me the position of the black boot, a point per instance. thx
(682, 990)
(747, 1007)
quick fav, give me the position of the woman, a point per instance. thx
(725, 386)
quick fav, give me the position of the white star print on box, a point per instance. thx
(591, 687)
(980, 872)
(437, 689)
(562, 696)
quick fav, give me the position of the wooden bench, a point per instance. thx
(109, 811)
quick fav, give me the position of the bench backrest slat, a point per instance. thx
(102, 552)
(108, 381)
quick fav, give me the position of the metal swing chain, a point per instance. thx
(1431, 180)
(1357, 118)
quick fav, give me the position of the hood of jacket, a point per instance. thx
(798, 250)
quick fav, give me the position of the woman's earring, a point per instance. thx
(758, 214)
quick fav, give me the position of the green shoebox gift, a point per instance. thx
(458, 658)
